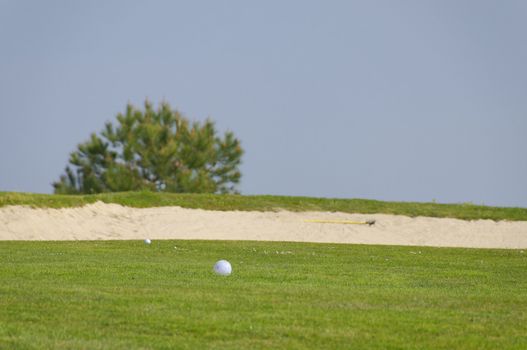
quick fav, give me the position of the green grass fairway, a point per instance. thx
(127, 295)
(464, 211)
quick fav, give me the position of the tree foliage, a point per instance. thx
(158, 150)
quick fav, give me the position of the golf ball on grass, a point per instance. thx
(147, 241)
(223, 268)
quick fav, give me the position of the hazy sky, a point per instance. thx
(390, 100)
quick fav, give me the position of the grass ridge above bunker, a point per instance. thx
(464, 211)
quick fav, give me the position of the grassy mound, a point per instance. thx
(268, 203)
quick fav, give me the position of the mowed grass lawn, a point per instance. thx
(128, 295)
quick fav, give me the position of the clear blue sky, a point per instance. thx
(391, 100)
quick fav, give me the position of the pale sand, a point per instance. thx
(101, 221)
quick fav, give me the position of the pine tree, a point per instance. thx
(158, 150)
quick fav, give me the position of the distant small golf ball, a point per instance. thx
(147, 241)
(223, 267)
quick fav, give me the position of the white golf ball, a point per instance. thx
(147, 241)
(223, 267)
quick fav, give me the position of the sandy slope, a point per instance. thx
(111, 221)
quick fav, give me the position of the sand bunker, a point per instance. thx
(101, 221)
